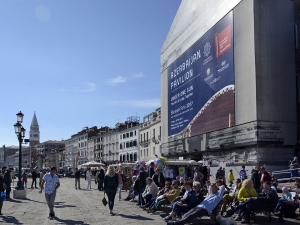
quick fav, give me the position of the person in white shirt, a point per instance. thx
(150, 191)
(89, 178)
(52, 183)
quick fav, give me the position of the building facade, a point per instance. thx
(50, 153)
(79, 149)
(229, 88)
(129, 140)
(111, 145)
(150, 136)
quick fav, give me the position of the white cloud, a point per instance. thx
(148, 103)
(87, 87)
(138, 75)
(117, 80)
(120, 79)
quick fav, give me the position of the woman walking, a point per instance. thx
(24, 179)
(110, 187)
(121, 181)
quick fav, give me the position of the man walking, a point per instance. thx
(89, 178)
(52, 183)
(34, 176)
(77, 179)
(7, 182)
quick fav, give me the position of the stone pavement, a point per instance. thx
(85, 207)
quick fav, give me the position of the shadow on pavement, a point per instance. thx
(64, 206)
(15, 201)
(35, 201)
(10, 219)
(70, 221)
(137, 217)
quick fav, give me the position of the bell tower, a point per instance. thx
(34, 132)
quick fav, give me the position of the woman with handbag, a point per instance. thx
(110, 187)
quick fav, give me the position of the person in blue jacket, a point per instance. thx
(205, 207)
(185, 203)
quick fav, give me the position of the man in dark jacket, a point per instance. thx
(256, 178)
(267, 200)
(34, 176)
(142, 176)
(77, 178)
(185, 203)
(7, 181)
(151, 169)
(101, 179)
(159, 179)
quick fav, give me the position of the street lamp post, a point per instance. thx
(20, 132)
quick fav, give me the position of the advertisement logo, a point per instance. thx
(208, 71)
(207, 48)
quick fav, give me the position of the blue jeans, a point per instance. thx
(179, 209)
(294, 173)
(280, 202)
(142, 189)
(111, 194)
(120, 186)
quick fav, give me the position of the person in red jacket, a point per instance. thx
(265, 176)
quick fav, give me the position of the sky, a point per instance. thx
(79, 63)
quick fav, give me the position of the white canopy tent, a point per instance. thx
(92, 164)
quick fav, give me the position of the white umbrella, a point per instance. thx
(92, 164)
(149, 162)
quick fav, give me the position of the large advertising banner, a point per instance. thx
(201, 84)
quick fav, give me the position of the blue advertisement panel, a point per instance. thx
(201, 84)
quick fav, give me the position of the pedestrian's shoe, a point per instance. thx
(237, 218)
(167, 218)
(132, 200)
(163, 215)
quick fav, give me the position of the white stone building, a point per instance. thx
(129, 141)
(150, 136)
(111, 144)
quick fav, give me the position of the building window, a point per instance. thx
(127, 134)
(120, 146)
(153, 133)
(144, 136)
(141, 137)
(124, 136)
(134, 143)
(144, 152)
(135, 133)
(131, 134)
(153, 150)
(131, 144)
(159, 130)
(141, 153)
(147, 152)
(147, 136)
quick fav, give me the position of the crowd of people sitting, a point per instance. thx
(190, 198)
